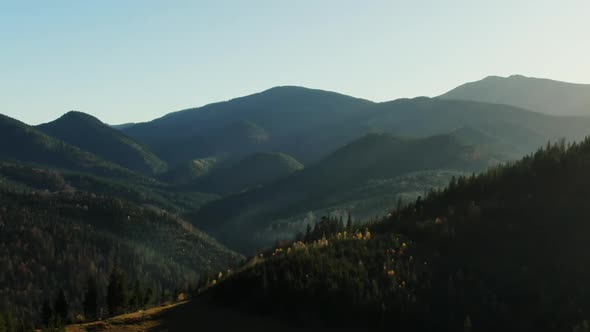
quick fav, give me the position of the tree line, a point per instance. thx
(121, 296)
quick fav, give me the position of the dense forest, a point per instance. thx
(361, 214)
(365, 171)
(504, 250)
(60, 240)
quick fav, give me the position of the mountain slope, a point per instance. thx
(501, 251)
(373, 158)
(21, 142)
(90, 134)
(523, 130)
(77, 235)
(309, 124)
(288, 116)
(233, 141)
(188, 171)
(142, 191)
(255, 170)
(541, 95)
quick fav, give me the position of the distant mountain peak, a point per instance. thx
(90, 134)
(79, 116)
(288, 87)
(535, 94)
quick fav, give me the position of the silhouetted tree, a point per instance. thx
(61, 306)
(46, 313)
(116, 292)
(10, 323)
(91, 299)
(136, 296)
(349, 221)
(2, 323)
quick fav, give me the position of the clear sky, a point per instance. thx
(129, 61)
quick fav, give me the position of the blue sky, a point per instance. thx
(126, 61)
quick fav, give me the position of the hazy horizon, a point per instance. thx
(138, 61)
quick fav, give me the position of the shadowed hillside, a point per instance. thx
(309, 124)
(21, 142)
(90, 134)
(255, 170)
(375, 157)
(59, 241)
(500, 251)
(284, 117)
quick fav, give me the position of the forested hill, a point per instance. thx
(255, 170)
(23, 143)
(506, 250)
(335, 180)
(90, 134)
(52, 241)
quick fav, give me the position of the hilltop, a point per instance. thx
(535, 94)
(90, 134)
(278, 119)
(23, 143)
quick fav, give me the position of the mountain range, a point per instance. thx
(296, 163)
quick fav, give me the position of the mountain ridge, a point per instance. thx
(39, 148)
(536, 94)
(376, 156)
(89, 133)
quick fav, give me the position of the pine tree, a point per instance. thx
(116, 292)
(138, 293)
(349, 221)
(61, 306)
(90, 299)
(46, 313)
(147, 296)
(10, 323)
(467, 326)
(2, 323)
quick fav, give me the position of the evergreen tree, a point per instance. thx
(147, 296)
(46, 313)
(61, 306)
(135, 296)
(10, 323)
(349, 221)
(467, 326)
(116, 292)
(91, 299)
(2, 323)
